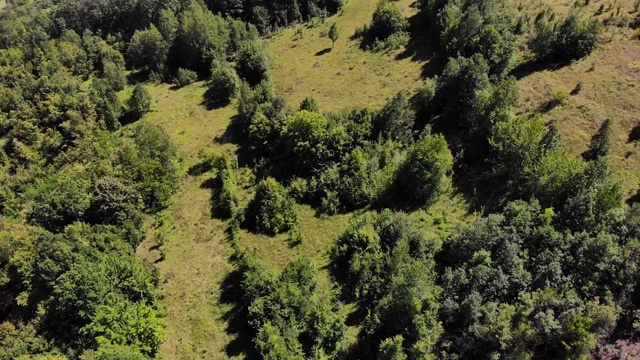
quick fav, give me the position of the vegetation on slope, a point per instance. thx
(90, 169)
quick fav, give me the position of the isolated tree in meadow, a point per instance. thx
(601, 141)
(334, 33)
(140, 101)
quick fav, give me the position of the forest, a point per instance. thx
(319, 179)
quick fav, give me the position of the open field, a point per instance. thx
(345, 76)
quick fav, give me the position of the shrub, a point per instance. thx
(571, 40)
(148, 50)
(225, 200)
(140, 101)
(185, 77)
(61, 202)
(272, 211)
(223, 84)
(387, 30)
(423, 176)
(252, 63)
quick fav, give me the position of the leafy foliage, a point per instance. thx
(272, 211)
(570, 40)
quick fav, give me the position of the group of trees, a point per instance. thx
(388, 29)
(290, 318)
(345, 161)
(75, 186)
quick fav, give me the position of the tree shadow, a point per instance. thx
(634, 135)
(137, 77)
(532, 66)
(234, 134)
(323, 52)
(421, 48)
(211, 101)
(237, 318)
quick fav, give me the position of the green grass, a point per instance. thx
(610, 90)
(345, 76)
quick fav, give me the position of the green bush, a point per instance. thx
(252, 63)
(61, 202)
(140, 101)
(225, 199)
(271, 211)
(223, 84)
(423, 177)
(148, 50)
(185, 77)
(570, 40)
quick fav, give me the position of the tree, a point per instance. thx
(61, 202)
(396, 120)
(423, 176)
(309, 104)
(601, 142)
(148, 50)
(252, 63)
(202, 38)
(140, 101)
(223, 85)
(333, 34)
(271, 211)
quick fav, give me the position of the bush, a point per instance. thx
(185, 77)
(387, 30)
(252, 63)
(423, 177)
(148, 50)
(140, 102)
(571, 40)
(61, 202)
(223, 84)
(272, 211)
(225, 199)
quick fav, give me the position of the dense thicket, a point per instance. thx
(291, 319)
(75, 188)
(469, 27)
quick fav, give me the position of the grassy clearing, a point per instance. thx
(610, 80)
(193, 262)
(345, 76)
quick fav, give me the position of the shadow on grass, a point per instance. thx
(634, 135)
(212, 101)
(236, 318)
(532, 66)
(323, 52)
(421, 48)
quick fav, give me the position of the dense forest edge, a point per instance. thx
(172, 185)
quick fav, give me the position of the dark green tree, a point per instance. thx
(271, 211)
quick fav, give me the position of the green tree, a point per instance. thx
(148, 50)
(601, 142)
(61, 202)
(271, 211)
(309, 104)
(202, 38)
(423, 177)
(252, 63)
(223, 85)
(140, 101)
(391, 349)
(334, 33)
